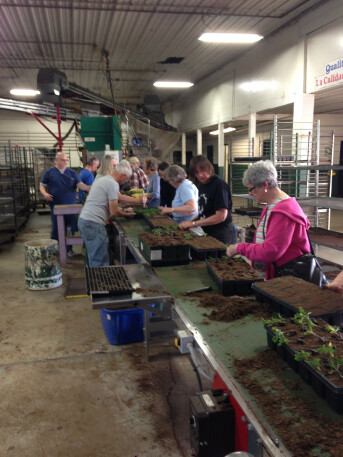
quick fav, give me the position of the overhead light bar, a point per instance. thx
(174, 84)
(25, 92)
(228, 129)
(230, 37)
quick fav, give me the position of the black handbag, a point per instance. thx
(305, 267)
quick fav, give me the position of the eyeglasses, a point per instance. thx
(250, 189)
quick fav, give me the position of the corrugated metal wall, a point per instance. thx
(24, 130)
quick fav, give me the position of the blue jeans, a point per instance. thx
(96, 241)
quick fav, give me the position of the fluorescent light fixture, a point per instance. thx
(173, 84)
(56, 92)
(25, 92)
(230, 37)
(228, 129)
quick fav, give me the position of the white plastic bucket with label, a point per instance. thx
(42, 265)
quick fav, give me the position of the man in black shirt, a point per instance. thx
(215, 203)
(167, 191)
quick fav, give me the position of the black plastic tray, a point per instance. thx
(152, 226)
(320, 384)
(288, 310)
(249, 211)
(202, 254)
(168, 255)
(234, 287)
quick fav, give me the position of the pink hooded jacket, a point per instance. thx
(285, 239)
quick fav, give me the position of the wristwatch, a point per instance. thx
(193, 223)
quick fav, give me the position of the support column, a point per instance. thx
(199, 142)
(252, 134)
(221, 155)
(183, 150)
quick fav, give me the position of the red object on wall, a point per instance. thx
(241, 422)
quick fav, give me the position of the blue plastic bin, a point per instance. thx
(123, 326)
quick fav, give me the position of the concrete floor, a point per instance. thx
(66, 392)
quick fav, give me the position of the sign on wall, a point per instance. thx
(333, 75)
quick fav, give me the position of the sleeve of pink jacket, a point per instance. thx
(278, 238)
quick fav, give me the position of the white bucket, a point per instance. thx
(42, 266)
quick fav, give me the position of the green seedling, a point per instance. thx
(239, 259)
(279, 337)
(157, 232)
(334, 330)
(302, 356)
(274, 321)
(305, 321)
(336, 365)
(187, 236)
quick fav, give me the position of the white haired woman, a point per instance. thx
(281, 234)
(101, 203)
(185, 203)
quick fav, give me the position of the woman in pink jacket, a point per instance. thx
(281, 233)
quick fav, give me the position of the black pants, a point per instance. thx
(227, 235)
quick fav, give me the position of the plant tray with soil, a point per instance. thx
(312, 348)
(161, 221)
(164, 249)
(205, 246)
(287, 293)
(232, 276)
(147, 212)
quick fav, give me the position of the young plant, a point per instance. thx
(336, 365)
(274, 321)
(302, 356)
(305, 321)
(157, 232)
(334, 330)
(279, 337)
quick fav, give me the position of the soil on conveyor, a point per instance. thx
(300, 429)
(227, 309)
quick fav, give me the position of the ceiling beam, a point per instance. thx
(149, 9)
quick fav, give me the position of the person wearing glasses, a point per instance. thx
(215, 203)
(281, 233)
(58, 187)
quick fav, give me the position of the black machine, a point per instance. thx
(212, 424)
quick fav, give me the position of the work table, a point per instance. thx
(223, 342)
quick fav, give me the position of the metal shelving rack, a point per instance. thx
(14, 189)
(303, 156)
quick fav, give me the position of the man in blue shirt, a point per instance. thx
(58, 187)
(87, 175)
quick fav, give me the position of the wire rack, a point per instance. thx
(107, 281)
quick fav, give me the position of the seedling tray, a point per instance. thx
(165, 255)
(159, 221)
(202, 254)
(321, 385)
(268, 293)
(231, 287)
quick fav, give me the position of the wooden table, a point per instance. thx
(60, 211)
